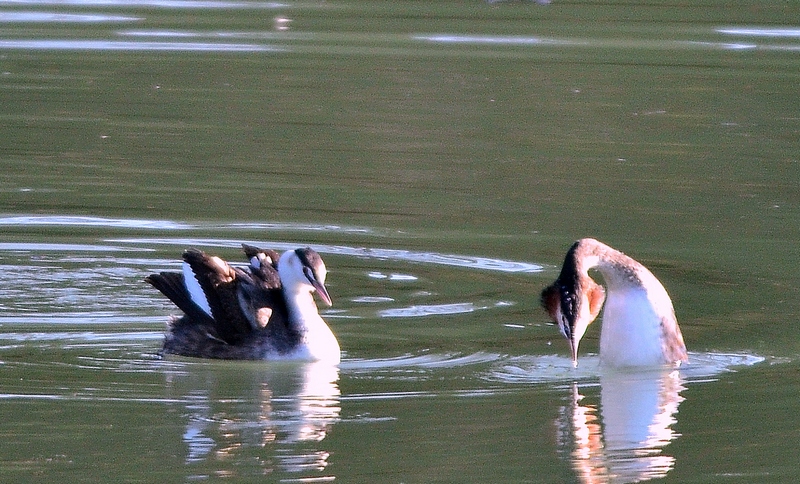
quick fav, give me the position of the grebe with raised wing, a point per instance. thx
(263, 312)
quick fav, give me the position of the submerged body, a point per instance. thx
(639, 324)
(264, 312)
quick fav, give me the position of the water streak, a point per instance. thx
(473, 262)
(429, 310)
(87, 221)
(114, 45)
(492, 39)
(54, 17)
(441, 360)
(57, 248)
(171, 4)
(615, 43)
(554, 368)
(84, 336)
(761, 32)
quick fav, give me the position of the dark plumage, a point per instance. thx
(234, 313)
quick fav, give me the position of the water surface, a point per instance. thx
(441, 158)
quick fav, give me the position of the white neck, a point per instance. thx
(318, 341)
(632, 333)
(639, 326)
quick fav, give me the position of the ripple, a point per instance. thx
(492, 39)
(177, 4)
(429, 310)
(503, 41)
(442, 360)
(371, 299)
(57, 248)
(82, 336)
(125, 223)
(44, 17)
(290, 226)
(186, 34)
(558, 368)
(84, 221)
(392, 277)
(113, 45)
(709, 364)
(441, 259)
(761, 31)
(473, 262)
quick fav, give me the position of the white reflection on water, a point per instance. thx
(46, 17)
(48, 282)
(466, 261)
(180, 4)
(637, 410)
(430, 360)
(68, 44)
(760, 31)
(436, 258)
(554, 368)
(625, 444)
(68, 337)
(493, 39)
(391, 277)
(185, 34)
(131, 223)
(56, 248)
(62, 283)
(511, 41)
(272, 407)
(86, 221)
(431, 310)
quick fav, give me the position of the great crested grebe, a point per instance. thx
(639, 325)
(264, 312)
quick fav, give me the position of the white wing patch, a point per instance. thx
(195, 291)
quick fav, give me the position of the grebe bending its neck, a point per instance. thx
(265, 311)
(639, 325)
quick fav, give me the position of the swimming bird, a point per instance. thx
(639, 326)
(265, 311)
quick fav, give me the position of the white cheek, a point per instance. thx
(582, 322)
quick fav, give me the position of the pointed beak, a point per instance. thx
(323, 293)
(573, 349)
(573, 343)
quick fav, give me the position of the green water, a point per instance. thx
(441, 156)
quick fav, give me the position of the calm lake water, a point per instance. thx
(442, 157)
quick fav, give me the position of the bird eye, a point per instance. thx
(309, 274)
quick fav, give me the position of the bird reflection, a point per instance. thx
(273, 417)
(625, 442)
